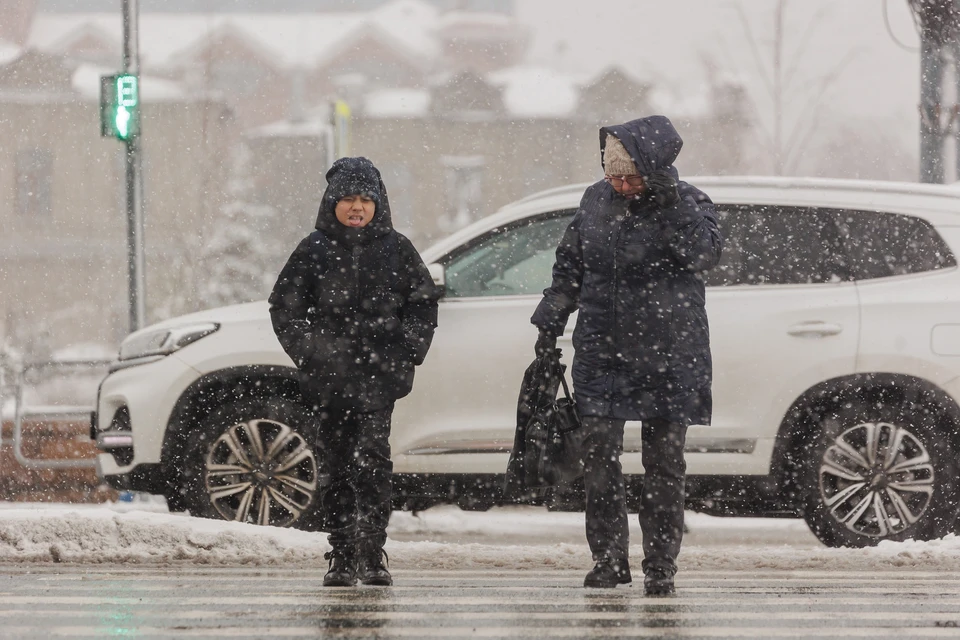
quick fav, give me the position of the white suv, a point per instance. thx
(835, 322)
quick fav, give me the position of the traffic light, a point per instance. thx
(119, 106)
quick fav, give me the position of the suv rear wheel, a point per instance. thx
(253, 461)
(879, 469)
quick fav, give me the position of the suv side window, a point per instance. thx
(766, 245)
(880, 245)
(509, 261)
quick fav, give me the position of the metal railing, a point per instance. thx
(19, 372)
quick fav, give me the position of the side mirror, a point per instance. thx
(439, 275)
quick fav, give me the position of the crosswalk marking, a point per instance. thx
(474, 632)
(200, 614)
(184, 601)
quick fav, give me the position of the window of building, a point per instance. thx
(463, 189)
(34, 182)
(398, 180)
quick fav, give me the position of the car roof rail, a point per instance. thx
(880, 186)
(555, 191)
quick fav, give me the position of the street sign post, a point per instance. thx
(342, 117)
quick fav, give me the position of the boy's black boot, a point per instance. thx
(658, 582)
(608, 573)
(372, 567)
(343, 567)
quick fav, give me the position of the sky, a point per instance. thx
(674, 43)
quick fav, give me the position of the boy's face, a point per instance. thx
(355, 211)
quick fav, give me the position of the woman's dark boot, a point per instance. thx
(343, 567)
(372, 567)
(658, 582)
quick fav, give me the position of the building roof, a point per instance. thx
(546, 86)
(289, 40)
(397, 103)
(537, 92)
(8, 51)
(86, 82)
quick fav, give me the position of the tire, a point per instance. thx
(253, 461)
(878, 467)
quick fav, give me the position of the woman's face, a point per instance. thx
(627, 186)
(355, 211)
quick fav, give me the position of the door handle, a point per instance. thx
(814, 329)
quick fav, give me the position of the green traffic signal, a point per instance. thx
(119, 106)
(127, 99)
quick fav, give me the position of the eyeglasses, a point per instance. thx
(617, 181)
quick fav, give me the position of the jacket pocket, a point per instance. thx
(690, 326)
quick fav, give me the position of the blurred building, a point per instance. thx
(275, 6)
(444, 100)
(469, 143)
(271, 65)
(62, 207)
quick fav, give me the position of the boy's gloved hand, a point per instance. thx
(546, 344)
(662, 188)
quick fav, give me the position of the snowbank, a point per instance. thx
(111, 534)
(106, 536)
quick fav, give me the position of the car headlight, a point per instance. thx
(163, 342)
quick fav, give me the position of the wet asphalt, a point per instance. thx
(77, 601)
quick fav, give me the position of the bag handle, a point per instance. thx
(563, 378)
(563, 381)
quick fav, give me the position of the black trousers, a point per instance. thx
(661, 504)
(355, 451)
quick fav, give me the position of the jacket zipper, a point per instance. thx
(356, 273)
(616, 291)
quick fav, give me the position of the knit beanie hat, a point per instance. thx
(616, 160)
(351, 177)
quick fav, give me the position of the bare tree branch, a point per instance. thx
(797, 54)
(809, 110)
(754, 49)
(710, 64)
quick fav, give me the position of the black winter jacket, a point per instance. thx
(355, 309)
(642, 339)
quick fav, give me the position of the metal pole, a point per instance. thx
(134, 178)
(931, 96)
(955, 111)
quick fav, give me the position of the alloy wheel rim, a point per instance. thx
(261, 472)
(876, 479)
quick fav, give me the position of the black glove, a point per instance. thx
(662, 188)
(546, 344)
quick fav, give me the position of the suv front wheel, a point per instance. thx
(879, 469)
(253, 461)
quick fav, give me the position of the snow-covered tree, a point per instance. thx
(241, 256)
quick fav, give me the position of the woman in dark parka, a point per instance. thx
(631, 262)
(355, 309)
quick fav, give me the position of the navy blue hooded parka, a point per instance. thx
(633, 269)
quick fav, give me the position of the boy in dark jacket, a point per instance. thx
(355, 309)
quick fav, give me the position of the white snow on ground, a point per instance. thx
(512, 538)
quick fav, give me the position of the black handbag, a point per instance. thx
(554, 450)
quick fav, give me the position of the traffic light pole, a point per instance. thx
(134, 179)
(931, 97)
